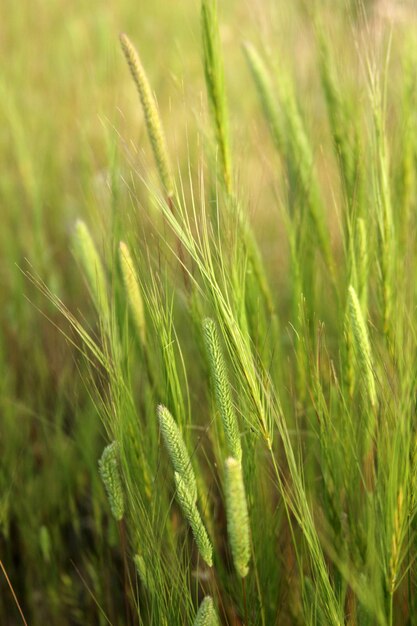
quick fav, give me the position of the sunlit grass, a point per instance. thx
(208, 334)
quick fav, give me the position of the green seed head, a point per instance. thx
(362, 345)
(90, 261)
(189, 508)
(222, 389)
(144, 573)
(206, 615)
(132, 291)
(177, 450)
(237, 516)
(214, 74)
(109, 471)
(266, 95)
(150, 111)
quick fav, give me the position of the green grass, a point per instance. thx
(208, 327)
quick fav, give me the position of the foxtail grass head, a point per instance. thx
(144, 574)
(132, 289)
(362, 345)
(265, 92)
(214, 73)
(177, 450)
(89, 258)
(151, 113)
(108, 466)
(189, 508)
(206, 615)
(222, 389)
(237, 516)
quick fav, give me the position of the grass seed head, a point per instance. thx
(132, 289)
(214, 73)
(144, 573)
(189, 508)
(151, 113)
(206, 615)
(91, 263)
(237, 516)
(222, 389)
(177, 450)
(109, 471)
(362, 345)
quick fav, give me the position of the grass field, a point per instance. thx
(208, 327)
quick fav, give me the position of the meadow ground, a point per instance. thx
(208, 323)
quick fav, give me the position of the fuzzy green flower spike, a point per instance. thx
(151, 113)
(362, 345)
(206, 615)
(222, 389)
(109, 471)
(190, 511)
(237, 516)
(177, 450)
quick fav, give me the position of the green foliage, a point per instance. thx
(298, 237)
